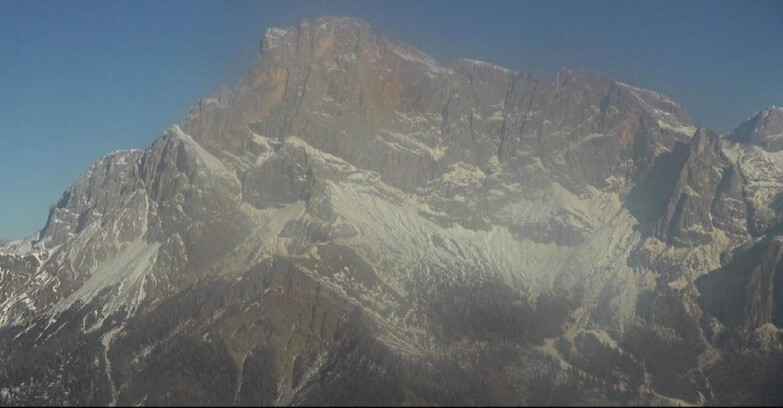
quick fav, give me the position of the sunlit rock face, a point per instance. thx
(354, 223)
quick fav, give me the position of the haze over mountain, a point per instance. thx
(354, 223)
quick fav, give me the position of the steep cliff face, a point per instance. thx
(747, 291)
(697, 198)
(355, 223)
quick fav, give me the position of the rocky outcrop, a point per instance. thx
(687, 220)
(748, 291)
(108, 185)
(729, 209)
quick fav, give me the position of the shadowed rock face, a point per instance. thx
(747, 291)
(355, 224)
(687, 218)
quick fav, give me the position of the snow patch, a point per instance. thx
(125, 269)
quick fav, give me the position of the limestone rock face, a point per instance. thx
(748, 291)
(729, 208)
(354, 223)
(688, 215)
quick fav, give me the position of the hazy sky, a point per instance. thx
(82, 79)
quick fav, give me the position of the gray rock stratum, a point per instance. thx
(353, 223)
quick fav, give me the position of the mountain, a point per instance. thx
(354, 223)
(764, 129)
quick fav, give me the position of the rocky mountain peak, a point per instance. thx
(764, 129)
(392, 109)
(322, 32)
(95, 193)
(706, 140)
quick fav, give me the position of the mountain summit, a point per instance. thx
(355, 224)
(763, 129)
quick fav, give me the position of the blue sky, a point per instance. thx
(81, 79)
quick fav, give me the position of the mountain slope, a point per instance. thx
(355, 223)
